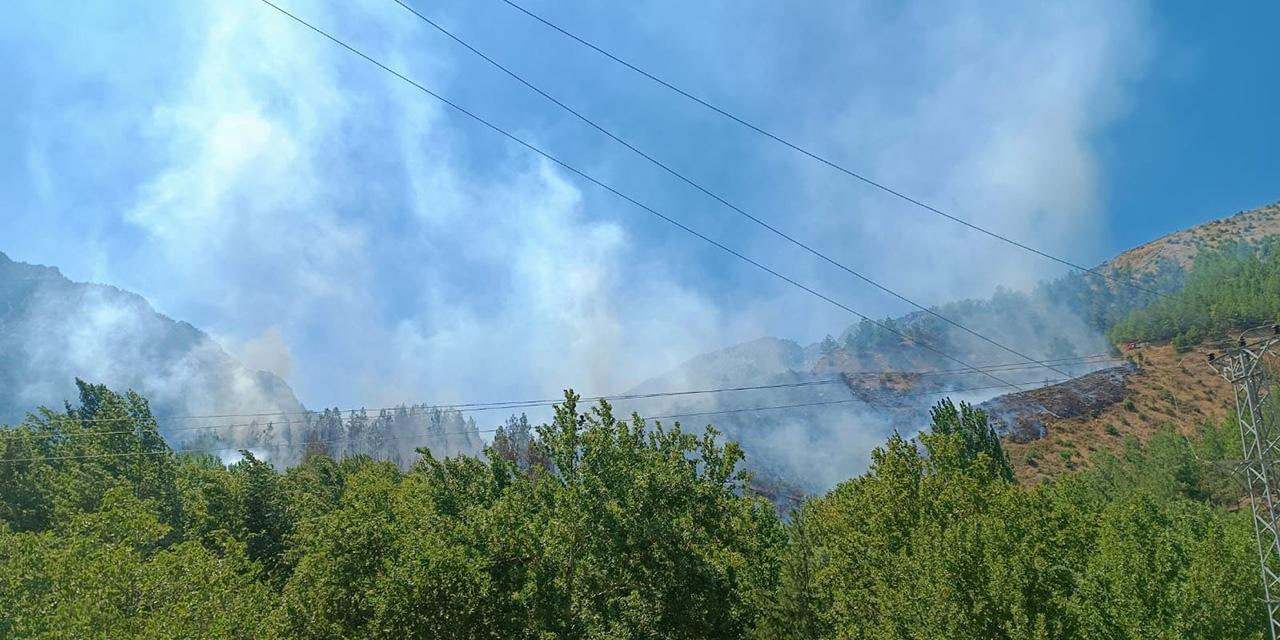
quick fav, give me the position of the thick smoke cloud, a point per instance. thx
(327, 222)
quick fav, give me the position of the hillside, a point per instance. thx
(1160, 388)
(1182, 246)
(1231, 283)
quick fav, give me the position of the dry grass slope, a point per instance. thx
(1169, 388)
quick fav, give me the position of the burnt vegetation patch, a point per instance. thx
(1020, 417)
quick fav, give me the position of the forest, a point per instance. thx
(595, 526)
(1039, 320)
(1235, 287)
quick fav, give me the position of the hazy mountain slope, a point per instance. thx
(757, 360)
(1060, 320)
(53, 330)
(838, 398)
(815, 446)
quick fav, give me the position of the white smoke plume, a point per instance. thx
(327, 222)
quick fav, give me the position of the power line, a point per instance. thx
(428, 434)
(830, 163)
(568, 167)
(1012, 366)
(479, 406)
(392, 412)
(468, 407)
(830, 402)
(665, 167)
(310, 443)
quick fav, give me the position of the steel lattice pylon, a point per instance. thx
(1260, 440)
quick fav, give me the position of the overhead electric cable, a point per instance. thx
(735, 208)
(1011, 366)
(469, 406)
(1095, 358)
(429, 434)
(545, 154)
(375, 413)
(294, 445)
(524, 404)
(831, 402)
(831, 163)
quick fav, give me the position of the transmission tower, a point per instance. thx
(1260, 440)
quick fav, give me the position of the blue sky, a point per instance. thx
(326, 222)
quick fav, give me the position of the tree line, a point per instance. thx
(593, 526)
(1036, 315)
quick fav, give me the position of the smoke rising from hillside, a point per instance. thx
(873, 393)
(310, 211)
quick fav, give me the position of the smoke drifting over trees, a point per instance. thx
(599, 527)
